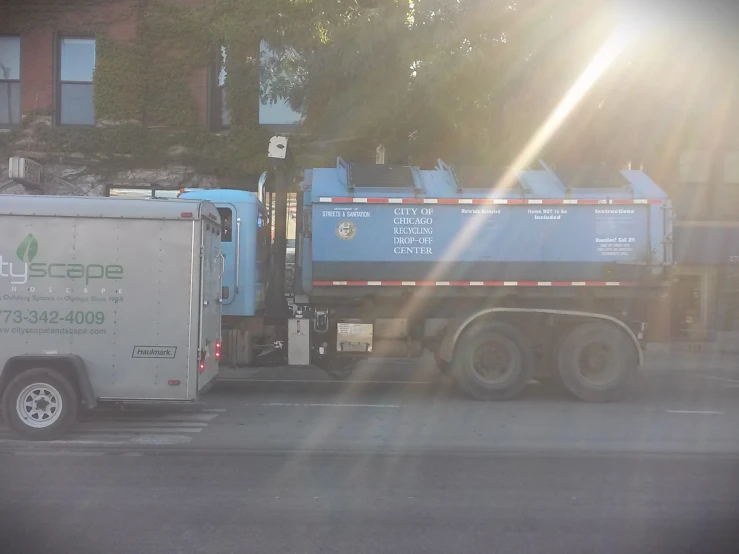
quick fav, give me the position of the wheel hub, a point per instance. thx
(596, 362)
(39, 405)
(492, 361)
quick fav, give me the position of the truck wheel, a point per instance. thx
(492, 361)
(40, 404)
(595, 360)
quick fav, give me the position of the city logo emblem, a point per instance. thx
(346, 230)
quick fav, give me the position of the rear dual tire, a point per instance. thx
(595, 361)
(492, 361)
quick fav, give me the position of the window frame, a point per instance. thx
(11, 125)
(227, 229)
(57, 83)
(215, 92)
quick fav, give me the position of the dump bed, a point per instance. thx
(401, 226)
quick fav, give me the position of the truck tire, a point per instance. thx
(595, 360)
(40, 404)
(492, 361)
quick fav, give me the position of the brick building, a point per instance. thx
(56, 59)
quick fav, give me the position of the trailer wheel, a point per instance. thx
(492, 361)
(595, 360)
(40, 404)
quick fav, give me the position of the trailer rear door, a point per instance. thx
(212, 266)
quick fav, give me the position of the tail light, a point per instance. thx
(202, 360)
(218, 350)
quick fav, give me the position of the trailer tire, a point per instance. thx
(595, 360)
(492, 361)
(40, 404)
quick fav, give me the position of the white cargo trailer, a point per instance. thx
(105, 300)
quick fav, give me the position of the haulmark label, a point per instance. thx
(161, 352)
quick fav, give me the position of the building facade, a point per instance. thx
(114, 92)
(701, 310)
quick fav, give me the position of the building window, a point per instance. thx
(276, 113)
(695, 166)
(76, 68)
(10, 81)
(220, 115)
(731, 168)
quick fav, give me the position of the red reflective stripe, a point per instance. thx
(476, 283)
(509, 201)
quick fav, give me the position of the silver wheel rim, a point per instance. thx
(39, 405)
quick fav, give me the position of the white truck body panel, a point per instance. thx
(131, 286)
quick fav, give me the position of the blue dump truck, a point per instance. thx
(546, 275)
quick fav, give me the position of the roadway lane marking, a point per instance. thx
(735, 381)
(141, 430)
(56, 453)
(115, 425)
(701, 412)
(336, 382)
(285, 404)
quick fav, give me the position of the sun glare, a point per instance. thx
(609, 52)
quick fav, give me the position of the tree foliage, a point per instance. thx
(472, 81)
(468, 81)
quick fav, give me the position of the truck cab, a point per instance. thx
(245, 242)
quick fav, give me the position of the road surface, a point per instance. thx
(93, 502)
(395, 461)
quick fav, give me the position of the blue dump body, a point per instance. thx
(245, 244)
(398, 226)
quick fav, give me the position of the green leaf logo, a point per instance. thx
(27, 249)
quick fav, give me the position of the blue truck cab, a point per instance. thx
(245, 242)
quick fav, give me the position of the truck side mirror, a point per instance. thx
(224, 293)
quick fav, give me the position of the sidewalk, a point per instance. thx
(691, 361)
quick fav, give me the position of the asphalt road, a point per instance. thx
(394, 461)
(391, 409)
(93, 502)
